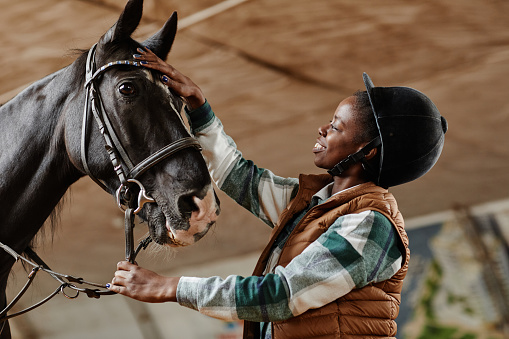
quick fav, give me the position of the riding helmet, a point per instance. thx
(411, 135)
(411, 129)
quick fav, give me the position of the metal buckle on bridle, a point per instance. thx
(125, 198)
(132, 204)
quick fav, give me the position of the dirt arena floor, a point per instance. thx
(275, 70)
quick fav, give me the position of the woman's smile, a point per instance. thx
(318, 147)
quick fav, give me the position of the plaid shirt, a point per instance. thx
(356, 250)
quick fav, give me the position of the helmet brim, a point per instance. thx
(369, 88)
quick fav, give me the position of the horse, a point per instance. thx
(48, 143)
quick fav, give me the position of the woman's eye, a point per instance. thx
(127, 89)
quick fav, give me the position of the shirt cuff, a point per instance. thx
(187, 292)
(200, 116)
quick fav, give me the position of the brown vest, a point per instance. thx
(368, 312)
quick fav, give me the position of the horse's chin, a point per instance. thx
(176, 231)
(159, 230)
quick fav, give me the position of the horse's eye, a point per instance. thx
(127, 89)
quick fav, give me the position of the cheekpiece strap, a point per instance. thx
(354, 158)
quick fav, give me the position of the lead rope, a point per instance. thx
(66, 281)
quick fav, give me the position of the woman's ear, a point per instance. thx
(372, 153)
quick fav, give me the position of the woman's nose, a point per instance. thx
(322, 130)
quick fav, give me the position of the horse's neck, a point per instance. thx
(34, 166)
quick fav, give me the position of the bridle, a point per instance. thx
(127, 199)
(128, 202)
(118, 155)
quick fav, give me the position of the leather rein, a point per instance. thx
(127, 199)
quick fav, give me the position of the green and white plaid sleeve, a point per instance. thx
(256, 189)
(356, 250)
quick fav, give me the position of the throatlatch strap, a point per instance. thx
(354, 158)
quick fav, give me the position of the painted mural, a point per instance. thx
(457, 286)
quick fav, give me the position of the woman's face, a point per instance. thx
(336, 140)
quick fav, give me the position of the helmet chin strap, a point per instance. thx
(354, 158)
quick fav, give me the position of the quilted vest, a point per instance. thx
(368, 312)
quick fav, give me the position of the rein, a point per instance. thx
(129, 202)
(66, 281)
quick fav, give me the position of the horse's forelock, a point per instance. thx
(110, 51)
(117, 50)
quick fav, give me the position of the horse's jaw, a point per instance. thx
(168, 227)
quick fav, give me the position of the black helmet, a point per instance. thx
(411, 134)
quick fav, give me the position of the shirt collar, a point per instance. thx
(325, 193)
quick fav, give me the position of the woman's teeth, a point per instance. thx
(318, 147)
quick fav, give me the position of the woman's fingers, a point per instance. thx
(142, 284)
(171, 77)
(146, 54)
(125, 265)
(150, 60)
(120, 277)
(118, 288)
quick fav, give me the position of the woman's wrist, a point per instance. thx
(196, 100)
(171, 291)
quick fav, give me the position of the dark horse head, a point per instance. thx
(145, 115)
(42, 148)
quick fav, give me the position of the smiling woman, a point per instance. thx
(352, 130)
(344, 136)
(338, 253)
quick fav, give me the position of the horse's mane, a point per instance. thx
(53, 221)
(50, 224)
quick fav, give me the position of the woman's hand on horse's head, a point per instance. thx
(178, 82)
(142, 284)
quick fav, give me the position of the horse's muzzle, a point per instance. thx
(202, 218)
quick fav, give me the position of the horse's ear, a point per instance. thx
(161, 42)
(126, 24)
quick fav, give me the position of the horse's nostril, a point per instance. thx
(199, 207)
(207, 207)
(187, 205)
